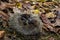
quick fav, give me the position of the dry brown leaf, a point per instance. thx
(2, 33)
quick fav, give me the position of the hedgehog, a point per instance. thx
(27, 25)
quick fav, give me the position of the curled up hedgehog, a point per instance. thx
(28, 25)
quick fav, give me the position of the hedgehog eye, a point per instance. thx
(22, 19)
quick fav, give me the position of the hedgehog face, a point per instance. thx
(26, 24)
(27, 20)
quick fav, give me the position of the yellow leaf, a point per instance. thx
(36, 11)
(19, 5)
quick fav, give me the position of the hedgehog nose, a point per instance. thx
(30, 21)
